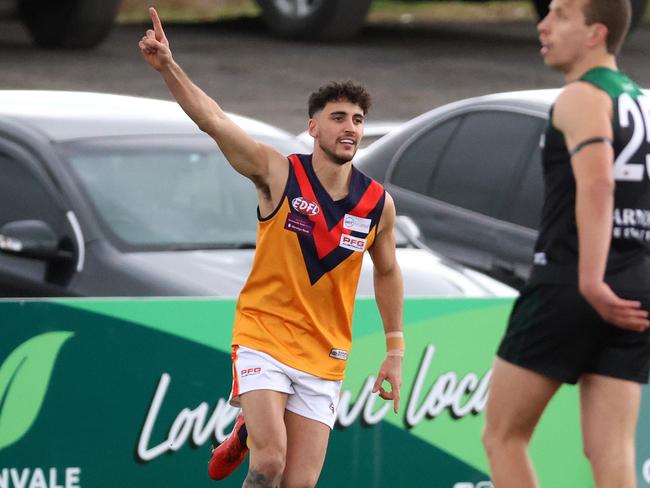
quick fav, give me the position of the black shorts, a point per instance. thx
(554, 331)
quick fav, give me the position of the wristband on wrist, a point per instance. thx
(395, 344)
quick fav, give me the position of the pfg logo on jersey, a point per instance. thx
(352, 243)
(304, 206)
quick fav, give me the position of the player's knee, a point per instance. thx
(605, 454)
(269, 462)
(300, 480)
(496, 438)
(490, 440)
(590, 450)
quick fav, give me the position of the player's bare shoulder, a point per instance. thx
(582, 111)
(580, 101)
(388, 214)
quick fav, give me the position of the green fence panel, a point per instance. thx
(106, 393)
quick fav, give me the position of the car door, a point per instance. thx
(28, 193)
(521, 217)
(454, 177)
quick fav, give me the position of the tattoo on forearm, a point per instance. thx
(255, 479)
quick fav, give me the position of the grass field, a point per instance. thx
(381, 11)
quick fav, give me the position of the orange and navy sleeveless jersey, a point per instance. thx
(298, 301)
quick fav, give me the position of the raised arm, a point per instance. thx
(389, 293)
(584, 113)
(254, 160)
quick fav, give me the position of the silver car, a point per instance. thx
(469, 174)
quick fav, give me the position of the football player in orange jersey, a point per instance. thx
(317, 215)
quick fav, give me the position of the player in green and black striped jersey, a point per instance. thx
(583, 316)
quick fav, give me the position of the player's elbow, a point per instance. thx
(207, 125)
(597, 187)
(211, 121)
(388, 275)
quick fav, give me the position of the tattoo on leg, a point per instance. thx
(255, 479)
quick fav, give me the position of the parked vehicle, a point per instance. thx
(106, 195)
(469, 174)
(86, 23)
(340, 19)
(64, 23)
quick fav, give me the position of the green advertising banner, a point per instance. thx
(106, 393)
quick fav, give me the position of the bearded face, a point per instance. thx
(337, 130)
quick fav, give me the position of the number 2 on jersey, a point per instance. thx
(640, 115)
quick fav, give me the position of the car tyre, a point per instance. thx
(314, 19)
(68, 23)
(638, 10)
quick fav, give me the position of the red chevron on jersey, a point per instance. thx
(326, 240)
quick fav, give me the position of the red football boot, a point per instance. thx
(229, 455)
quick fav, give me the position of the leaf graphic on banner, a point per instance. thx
(24, 380)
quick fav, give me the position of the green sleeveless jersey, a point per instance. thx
(556, 250)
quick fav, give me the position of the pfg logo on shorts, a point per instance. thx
(357, 244)
(339, 354)
(250, 371)
(306, 207)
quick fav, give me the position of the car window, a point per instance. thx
(24, 197)
(172, 192)
(414, 168)
(526, 208)
(177, 192)
(479, 162)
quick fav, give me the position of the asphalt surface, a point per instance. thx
(409, 70)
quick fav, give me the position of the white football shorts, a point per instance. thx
(308, 395)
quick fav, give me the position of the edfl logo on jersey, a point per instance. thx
(304, 206)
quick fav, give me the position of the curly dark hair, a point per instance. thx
(352, 91)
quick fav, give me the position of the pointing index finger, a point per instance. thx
(157, 25)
